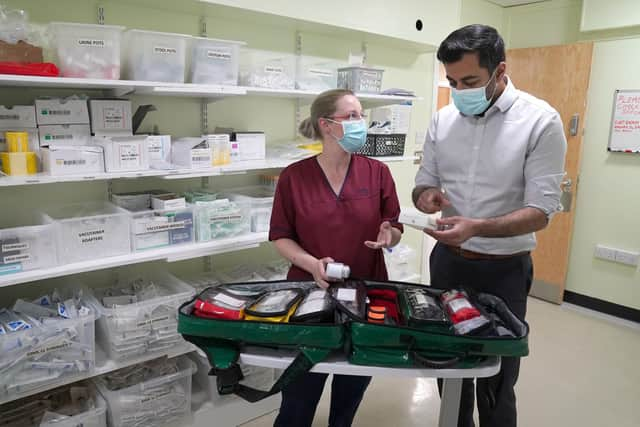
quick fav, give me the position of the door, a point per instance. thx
(560, 76)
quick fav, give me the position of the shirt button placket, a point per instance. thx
(478, 135)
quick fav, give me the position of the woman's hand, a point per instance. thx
(319, 272)
(385, 237)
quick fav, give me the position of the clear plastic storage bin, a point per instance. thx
(139, 314)
(86, 50)
(91, 230)
(360, 79)
(273, 70)
(44, 354)
(156, 57)
(317, 74)
(222, 218)
(215, 61)
(28, 246)
(159, 228)
(75, 405)
(162, 397)
(260, 199)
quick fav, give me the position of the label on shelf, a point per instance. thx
(154, 227)
(163, 50)
(16, 258)
(272, 69)
(15, 247)
(91, 236)
(321, 72)
(219, 54)
(91, 43)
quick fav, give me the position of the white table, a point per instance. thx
(452, 378)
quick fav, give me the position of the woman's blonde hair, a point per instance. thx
(323, 106)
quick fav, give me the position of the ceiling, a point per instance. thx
(507, 3)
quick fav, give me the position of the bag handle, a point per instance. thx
(423, 361)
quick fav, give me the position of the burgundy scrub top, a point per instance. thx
(324, 224)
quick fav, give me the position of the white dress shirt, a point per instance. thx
(510, 158)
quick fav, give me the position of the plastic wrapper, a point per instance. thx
(275, 306)
(316, 307)
(39, 69)
(216, 303)
(423, 308)
(351, 297)
(466, 318)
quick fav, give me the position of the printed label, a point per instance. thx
(16, 258)
(15, 247)
(370, 75)
(219, 54)
(9, 117)
(56, 112)
(61, 162)
(320, 72)
(129, 155)
(154, 227)
(91, 43)
(272, 69)
(113, 118)
(225, 218)
(57, 137)
(91, 236)
(163, 50)
(150, 321)
(348, 295)
(459, 304)
(155, 396)
(421, 299)
(49, 349)
(229, 300)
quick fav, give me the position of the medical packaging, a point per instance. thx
(317, 74)
(159, 147)
(156, 57)
(72, 159)
(17, 117)
(32, 135)
(86, 50)
(111, 117)
(248, 146)
(192, 153)
(316, 307)
(89, 230)
(61, 111)
(261, 68)
(64, 134)
(45, 341)
(275, 306)
(423, 308)
(215, 303)
(400, 261)
(390, 119)
(337, 271)
(19, 163)
(215, 61)
(260, 199)
(360, 79)
(168, 201)
(138, 313)
(124, 153)
(161, 227)
(222, 218)
(150, 394)
(466, 317)
(220, 148)
(352, 296)
(28, 245)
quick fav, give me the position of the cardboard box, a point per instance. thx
(72, 159)
(17, 117)
(159, 151)
(58, 111)
(250, 146)
(192, 153)
(111, 117)
(21, 52)
(124, 153)
(34, 140)
(168, 202)
(64, 135)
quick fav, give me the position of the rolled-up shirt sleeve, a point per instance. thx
(544, 168)
(283, 213)
(428, 172)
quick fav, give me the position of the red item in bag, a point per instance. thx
(42, 69)
(465, 317)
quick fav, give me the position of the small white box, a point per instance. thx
(168, 202)
(72, 159)
(34, 140)
(192, 153)
(111, 117)
(136, 201)
(159, 151)
(58, 111)
(17, 117)
(416, 219)
(64, 134)
(124, 153)
(392, 119)
(250, 146)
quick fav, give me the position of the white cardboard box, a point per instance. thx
(62, 111)
(124, 153)
(192, 153)
(17, 117)
(64, 134)
(416, 219)
(111, 117)
(250, 146)
(34, 140)
(168, 202)
(72, 159)
(159, 151)
(396, 117)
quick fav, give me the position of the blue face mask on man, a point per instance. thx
(473, 101)
(355, 135)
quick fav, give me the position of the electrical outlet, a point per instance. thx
(627, 257)
(604, 252)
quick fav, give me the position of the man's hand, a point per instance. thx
(384, 239)
(319, 272)
(457, 230)
(431, 201)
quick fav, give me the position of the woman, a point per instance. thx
(334, 206)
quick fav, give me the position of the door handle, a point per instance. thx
(573, 124)
(566, 196)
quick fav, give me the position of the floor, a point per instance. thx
(582, 371)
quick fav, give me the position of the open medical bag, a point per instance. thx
(389, 324)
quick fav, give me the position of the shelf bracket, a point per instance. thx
(100, 15)
(365, 52)
(109, 189)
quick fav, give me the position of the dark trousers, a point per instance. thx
(509, 279)
(300, 399)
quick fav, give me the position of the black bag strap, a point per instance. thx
(430, 362)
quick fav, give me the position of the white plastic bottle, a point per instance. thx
(338, 271)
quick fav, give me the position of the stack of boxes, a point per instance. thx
(18, 140)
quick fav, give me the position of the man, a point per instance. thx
(493, 163)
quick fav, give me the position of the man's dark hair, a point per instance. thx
(482, 39)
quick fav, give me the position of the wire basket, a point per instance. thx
(384, 145)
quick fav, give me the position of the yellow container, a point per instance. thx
(17, 142)
(19, 163)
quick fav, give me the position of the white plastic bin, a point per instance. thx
(317, 74)
(156, 57)
(260, 199)
(158, 401)
(90, 230)
(215, 61)
(86, 50)
(160, 228)
(361, 79)
(46, 354)
(29, 245)
(222, 218)
(146, 326)
(273, 70)
(30, 411)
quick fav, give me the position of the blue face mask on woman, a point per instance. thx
(473, 101)
(355, 135)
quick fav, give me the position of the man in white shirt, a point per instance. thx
(493, 162)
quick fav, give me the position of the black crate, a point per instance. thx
(384, 145)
